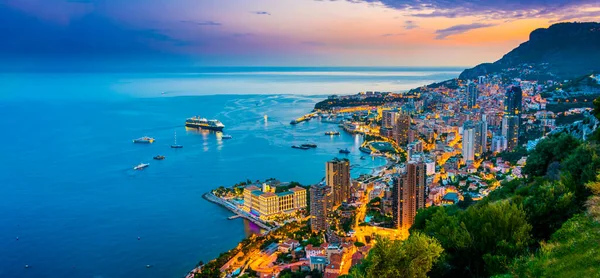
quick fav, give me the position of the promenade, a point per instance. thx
(233, 208)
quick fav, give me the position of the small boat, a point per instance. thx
(159, 157)
(144, 140)
(300, 147)
(226, 136)
(309, 145)
(345, 151)
(141, 166)
(332, 133)
(175, 146)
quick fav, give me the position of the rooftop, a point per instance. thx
(268, 194)
(297, 188)
(252, 188)
(284, 193)
(257, 192)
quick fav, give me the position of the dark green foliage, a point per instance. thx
(422, 216)
(581, 167)
(359, 244)
(513, 156)
(506, 190)
(573, 251)
(412, 258)
(548, 206)
(481, 240)
(466, 202)
(554, 148)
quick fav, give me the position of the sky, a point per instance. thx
(274, 32)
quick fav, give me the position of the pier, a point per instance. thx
(306, 117)
(239, 213)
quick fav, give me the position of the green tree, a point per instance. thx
(549, 150)
(468, 201)
(581, 167)
(499, 232)
(422, 216)
(413, 257)
(548, 207)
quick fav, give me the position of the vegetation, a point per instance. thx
(513, 156)
(573, 250)
(544, 225)
(413, 257)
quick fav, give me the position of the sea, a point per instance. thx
(71, 204)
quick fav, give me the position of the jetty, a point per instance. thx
(233, 208)
(306, 117)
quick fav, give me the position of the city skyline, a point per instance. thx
(268, 33)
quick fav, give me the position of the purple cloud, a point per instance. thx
(489, 9)
(392, 35)
(409, 25)
(261, 13)
(459, 29)
(581, 15)
(202, 23)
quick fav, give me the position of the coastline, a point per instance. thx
(209, 196)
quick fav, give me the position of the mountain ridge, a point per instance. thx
(568, 49)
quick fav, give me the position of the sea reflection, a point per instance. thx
(252, 229)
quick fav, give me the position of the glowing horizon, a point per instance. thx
(279, 33)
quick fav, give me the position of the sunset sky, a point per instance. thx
(277, 32)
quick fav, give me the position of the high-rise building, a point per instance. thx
(510, 131)
(337, 177)
(319, 200)
(389, 117)
(474, 139)
(472, 94)
(408, 194)
(513, 101)
(484, 133)
(512, 113)
(498, 144)
(481, 79)
(401, 129)
(469, 140)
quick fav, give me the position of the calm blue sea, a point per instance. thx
(70, 203)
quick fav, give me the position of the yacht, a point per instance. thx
(144, 140)
(141, 166)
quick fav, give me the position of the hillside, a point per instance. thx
(563, 51)
(543, 225)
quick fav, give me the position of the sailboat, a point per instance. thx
(175, 146)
